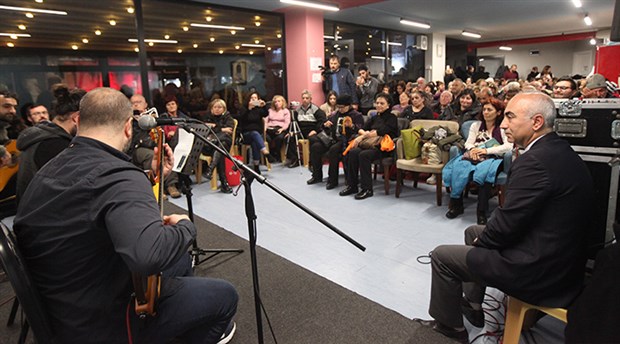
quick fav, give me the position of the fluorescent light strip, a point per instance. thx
(505, 48)
(378, 57)
(414, 23)
(14, 34)
(169, 41)
(221, 27)
(471, 34)
(393, 43)
(252, 45)
(330, 37)
(577, 3)
(311, 4)
(33, 10)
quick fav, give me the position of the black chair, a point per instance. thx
(24, 288)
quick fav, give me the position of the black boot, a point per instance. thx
(225, 188)
(455, 208)
(208, 172)
(481, 217)
(257, 168)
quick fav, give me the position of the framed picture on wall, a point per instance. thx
(239, 72)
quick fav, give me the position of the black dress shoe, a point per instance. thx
(293, 164)
(348, 190)
(364, 194)
(482, 218)
(455, 211)
(330, 186)
(461, 335)
(475, 317)
(225, 188)
(314, 180)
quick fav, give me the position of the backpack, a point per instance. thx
(412, 141)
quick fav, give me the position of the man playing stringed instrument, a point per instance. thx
(89, 219)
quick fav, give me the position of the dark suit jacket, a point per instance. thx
(534, 247)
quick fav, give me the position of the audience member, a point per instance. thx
(547, 201)
(170, 134)
(465, 108)
(277, 126)
(360, 157)
(330, 103)
(511, 74)
(90, 242)
(595, 87)
(418, 108)
(310, 119)
(565, 87)
(339, 80)
(252, 125)
(445, 99)
(367, 87)
(35, 114)
(221, 123)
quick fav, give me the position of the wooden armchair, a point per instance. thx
(208, 158)
(416, 165)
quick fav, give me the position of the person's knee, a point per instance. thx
(472, 232)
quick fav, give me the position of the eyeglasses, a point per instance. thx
(563, 88)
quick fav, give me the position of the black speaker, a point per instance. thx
(615, 24)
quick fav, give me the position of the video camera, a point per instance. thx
(325, 71)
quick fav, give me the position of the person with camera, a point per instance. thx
(251, 122)
(310, 119)
(337, 132)
(339, 79)
(366, 87)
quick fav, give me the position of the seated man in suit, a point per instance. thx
(534, 247)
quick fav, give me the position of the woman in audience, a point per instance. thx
(465, 109)
(404, 102)
(485, 148)
(277, 123)
(418, 108)
(330, 105)
(252, 125)
(360, 157)
(221, 124)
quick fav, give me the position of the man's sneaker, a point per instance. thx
(432, 180)
(229, 333)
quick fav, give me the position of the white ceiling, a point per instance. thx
(494, 19)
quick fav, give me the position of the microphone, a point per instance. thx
(149, 122)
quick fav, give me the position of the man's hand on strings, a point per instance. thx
(168, 160)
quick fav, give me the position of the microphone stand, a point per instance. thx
(249, 175)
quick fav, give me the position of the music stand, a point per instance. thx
(185, 162)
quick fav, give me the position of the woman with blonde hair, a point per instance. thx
(221, 123)
(277, 122)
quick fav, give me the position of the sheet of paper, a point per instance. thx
(182, 150)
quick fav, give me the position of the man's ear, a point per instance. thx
(539, 121)
(128, 127)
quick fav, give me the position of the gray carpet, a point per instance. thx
(303, 307)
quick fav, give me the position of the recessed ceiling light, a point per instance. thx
(74, 47)
(10, 44)
(13, 36)
(136, 49)
(369, 36)
(212, 39)
(38, 1)
(577, 3)
(112, 22)
(251, 52)
(166, 36)
(221, 51)
(256, 17)
(185, 28)
(151, 44)
(195, 45)
(587, 20)
(279, 35)
(221, 27)
(232, 32)
(21, 27)
(237, 47)
(98, 32)
(84, 40)
(269, 48)
(256, 41)
(29, 15)
(209, 19)
(130, 10)
(592, 41)
(179, 51)
(257, 23)
(32, 10)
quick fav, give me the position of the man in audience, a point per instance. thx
(89, 220)
(310, 119)
(340, 80)
(565, 87)
(511, 74)
(421, 84)
(37, 114)
(445, 98)
(596, 87)
(484, 95)
(533, 248)
(9, 122)
(456, 87)
(367, 87)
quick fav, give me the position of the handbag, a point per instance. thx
(370, 142)
(325, 139)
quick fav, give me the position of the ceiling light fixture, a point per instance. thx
(179, 51)
(98, 32)
(471, 34)
(221, 51)
(21, 27)
(29, 15)
(237, 46)
(147, 40)
(209, 19)
(85, 40)
(166, 36)
(505, 48)
(251, 52)
(10, 44)
(185, 28)
(587, 20)
(113, 22)
(256, 41)
(151, 44)
(279, 35)
(392, 43)
(592, 41)
(130, 10)
(378, 57)
(577, 3)
(74, 47)
(39, 1)
(136, 49)
(248, 45)
(32, 10)
(233, 32)
(14, 35)
(257, 23)
(195, 45)
(331, 37)
(221, 27)
(269, 48)
(312, 5)
(414, 23)
(212, 39)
